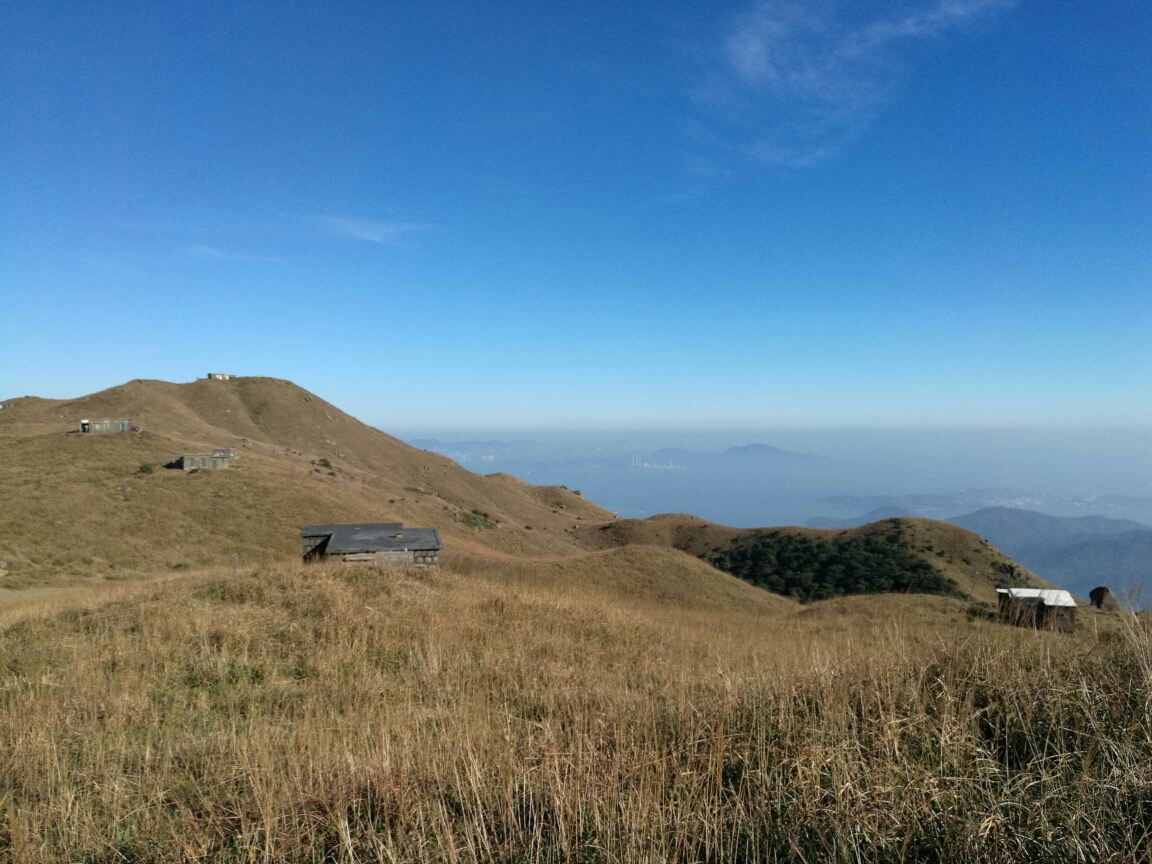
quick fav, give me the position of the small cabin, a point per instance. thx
(379, 543)
(220, 376)
(217, 460)
(107, 424)
(1042, 608)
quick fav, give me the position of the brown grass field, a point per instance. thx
(568, 687)
(296, 713)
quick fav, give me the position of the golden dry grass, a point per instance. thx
(78, 507)
(354, 714)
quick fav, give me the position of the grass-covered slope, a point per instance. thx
(79, 505)
(349, 714)
(643, 573)
(893, 555)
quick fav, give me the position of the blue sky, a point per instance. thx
(672, 215)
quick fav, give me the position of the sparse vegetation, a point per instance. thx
(367, 715)
(1008, 575)
(146, 468)
(478, 519)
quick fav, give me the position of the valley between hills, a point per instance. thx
(567, 686)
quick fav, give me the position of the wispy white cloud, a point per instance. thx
(371, 231)
(790, 85)
(214, 253)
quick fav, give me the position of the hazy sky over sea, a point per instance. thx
(749, 215)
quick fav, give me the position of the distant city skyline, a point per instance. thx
(657, 215)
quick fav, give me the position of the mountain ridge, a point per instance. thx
(1080, 552)
(302, 460)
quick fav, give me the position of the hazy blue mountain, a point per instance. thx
(1121, 561)
(1075, 552)
(856, 521)
(1013, 530)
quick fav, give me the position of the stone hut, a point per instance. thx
(1104, 600)
(1043, 608)
(216, 460)
(107, 424)
(220, 376)
(379, 543)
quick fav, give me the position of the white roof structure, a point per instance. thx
(1048, 596)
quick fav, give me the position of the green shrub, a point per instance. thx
(809, 568)
(979, 613)
(147, 468)
(478, 519)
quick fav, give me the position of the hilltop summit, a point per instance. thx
(85, 507)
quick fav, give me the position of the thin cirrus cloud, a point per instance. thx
(789, 86)
(215, 253)
(371, 231)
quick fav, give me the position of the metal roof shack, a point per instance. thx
(106, 424)
(216, 460)
(1044, 608)
(374, 543)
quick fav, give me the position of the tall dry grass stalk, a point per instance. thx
(317, 714)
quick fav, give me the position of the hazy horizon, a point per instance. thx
(1064, 468)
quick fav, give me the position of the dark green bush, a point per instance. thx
(810, 568)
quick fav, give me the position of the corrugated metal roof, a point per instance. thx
(1049, 596)
(378, 537)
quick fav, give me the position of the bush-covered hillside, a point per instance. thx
(814, 568)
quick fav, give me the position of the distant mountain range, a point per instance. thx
(970, 499)
(1077, 553)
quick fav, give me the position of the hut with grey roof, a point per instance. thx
(1043, 608)
(377, 543)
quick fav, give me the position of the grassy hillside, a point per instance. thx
(651, 574)
(82, 507)
(101, 506)
(350, 714)
(891, 555)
